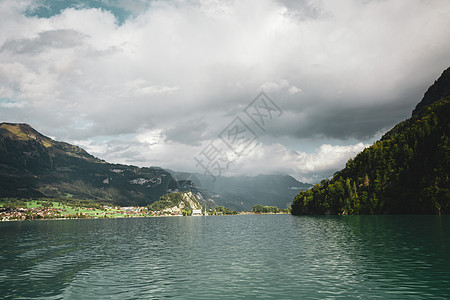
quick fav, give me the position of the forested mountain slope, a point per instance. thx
(406, 172)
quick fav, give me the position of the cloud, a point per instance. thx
(150, 138)
(140, 88)
(310, 167)
(294, 90)
(63, 38)
(108, 72)
(153, 149)
(283, 84)
(328, 157)
(5, 103)
(189, 132)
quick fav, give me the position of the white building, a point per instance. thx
(196, 212)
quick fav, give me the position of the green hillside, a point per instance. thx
(406, 172)
(35, 166)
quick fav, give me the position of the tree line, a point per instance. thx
(407, 171)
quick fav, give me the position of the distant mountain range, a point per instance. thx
(406, 172)
(242, 192)
(35, 166)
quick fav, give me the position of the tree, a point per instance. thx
(258, 208)
(407, 171)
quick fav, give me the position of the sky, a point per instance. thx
(220, 87)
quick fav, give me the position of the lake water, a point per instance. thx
(254, 256)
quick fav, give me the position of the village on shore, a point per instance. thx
(50, 210)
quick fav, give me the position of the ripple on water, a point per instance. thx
(276, 257)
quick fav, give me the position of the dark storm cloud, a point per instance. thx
(359, 119)
(191, 132)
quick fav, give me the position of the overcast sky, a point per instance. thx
(168, 83)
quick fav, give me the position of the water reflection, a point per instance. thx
(387, 256)
(280, 257)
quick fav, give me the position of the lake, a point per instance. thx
(226, 257)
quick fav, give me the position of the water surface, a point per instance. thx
(255, 256)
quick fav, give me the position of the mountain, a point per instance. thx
(242, 192)
(177, 203)
(33, 165)
(440, 89)
(406, 172)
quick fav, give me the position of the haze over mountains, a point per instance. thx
(33, 165)
(242, 192)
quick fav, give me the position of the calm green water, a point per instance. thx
(266, 256)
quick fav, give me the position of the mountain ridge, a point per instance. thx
(33, 165)
(438, 90)
(405, 172)
(242, 192)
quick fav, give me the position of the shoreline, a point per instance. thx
(20, 210)
(136, 217)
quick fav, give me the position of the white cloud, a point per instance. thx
(176, 72)
(282, 85)
(96, 149)
(151, 149)
(327, 158)
(151, 137)
(140, 88)
(294, 90)
(323, 162)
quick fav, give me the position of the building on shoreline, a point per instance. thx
(197, 212)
